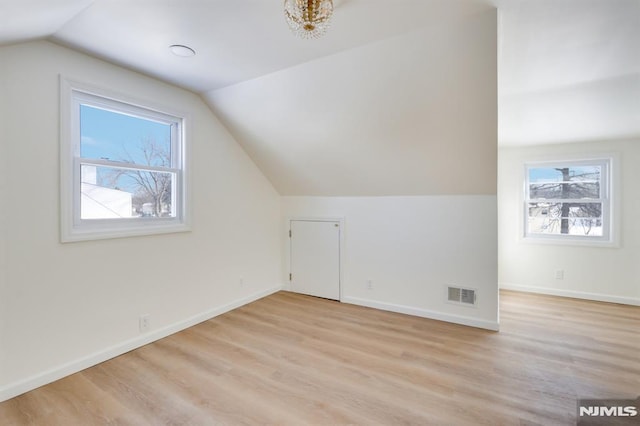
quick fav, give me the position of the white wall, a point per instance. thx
(609, 274)
(411, 248)
(68, 306)
(414, 114)
(430, 98)
(3, 221)
(399, 137)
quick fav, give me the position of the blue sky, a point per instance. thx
(544, 175)
(112, 136)
(550, 174)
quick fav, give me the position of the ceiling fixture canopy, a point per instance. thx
(182, 50)
(308, 18)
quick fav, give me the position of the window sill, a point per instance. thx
(569, 241)
(104, 233)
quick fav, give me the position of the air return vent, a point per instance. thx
(463, 296)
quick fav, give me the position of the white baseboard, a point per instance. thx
(80, 364)
(571, 293)
(409, 310)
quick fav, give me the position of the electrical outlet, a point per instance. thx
(559, 274)
(369, 285)
(241, 281)
(143, 323)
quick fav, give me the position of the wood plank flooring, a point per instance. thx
(293, 360)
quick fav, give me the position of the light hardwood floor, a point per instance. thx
(293, 360)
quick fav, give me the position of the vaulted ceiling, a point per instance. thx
(569, 70)
(235, 40)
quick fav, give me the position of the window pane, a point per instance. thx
(583, 219)
(119, 137)
(112, 193)
(581, 190)
(565, 174)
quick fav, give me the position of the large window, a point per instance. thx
(568, 200)
(122, 167)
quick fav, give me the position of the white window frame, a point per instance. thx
(73, 227)
(608, 184)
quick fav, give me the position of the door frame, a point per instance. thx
(286, 267)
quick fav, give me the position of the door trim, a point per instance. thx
(286, 267)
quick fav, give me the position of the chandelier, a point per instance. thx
(308, 18)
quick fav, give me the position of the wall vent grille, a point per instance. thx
(464, 296)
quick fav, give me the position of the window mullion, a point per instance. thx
(127, 166)
(566, 200)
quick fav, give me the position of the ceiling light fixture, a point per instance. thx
(308, 18)
(182, 51)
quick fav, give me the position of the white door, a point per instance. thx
(315, 258)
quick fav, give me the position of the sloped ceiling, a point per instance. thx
(569, 71)
(415, 114)
(29, 19)
(235, 40)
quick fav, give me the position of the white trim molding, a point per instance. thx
(56, 373)
(609, 199)
(73, 226)
(597, 297)
(424, 313)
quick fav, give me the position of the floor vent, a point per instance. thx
(464, 296)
